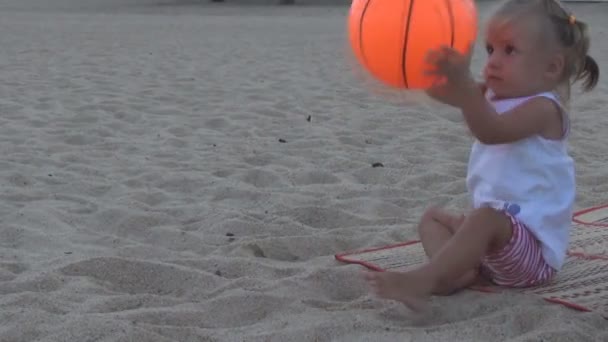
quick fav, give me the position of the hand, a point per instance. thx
(455, 82)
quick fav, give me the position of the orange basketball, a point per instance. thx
(391, 38)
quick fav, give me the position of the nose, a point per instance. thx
(494, 61)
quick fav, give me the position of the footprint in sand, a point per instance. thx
(139, 277)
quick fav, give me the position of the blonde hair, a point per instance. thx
(570, 33)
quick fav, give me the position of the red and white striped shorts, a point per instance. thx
(520, 263)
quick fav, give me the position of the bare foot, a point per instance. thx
(410, 288)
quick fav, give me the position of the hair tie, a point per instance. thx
(571, 19)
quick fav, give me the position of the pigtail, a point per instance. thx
(590, 73)
(573, 34)
(587, 69)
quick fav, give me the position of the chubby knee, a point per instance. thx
(432, 213)
(489, 221)
(435, 215)
(429, 216)
(487, 218)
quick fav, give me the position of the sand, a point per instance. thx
(187, 172)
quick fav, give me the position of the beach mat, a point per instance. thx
(582, 284)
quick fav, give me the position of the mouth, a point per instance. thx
(493, 78)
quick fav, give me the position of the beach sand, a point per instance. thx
(187, 172)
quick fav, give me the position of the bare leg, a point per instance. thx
(483, 231)
(436, 228)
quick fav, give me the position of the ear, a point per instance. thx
(555, 67)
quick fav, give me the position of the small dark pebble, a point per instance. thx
(309, 118)
(229, 234)
(67, 252)
(282, 140)
(218, 273)
(377, 165)
(214, 145)
(50, 175)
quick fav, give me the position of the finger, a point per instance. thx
(432, 73)
(449, 51)
(441, 52)
(456, 58)
(440, 72)
(444, 67)
(433, 56)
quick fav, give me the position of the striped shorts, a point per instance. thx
(520, 263)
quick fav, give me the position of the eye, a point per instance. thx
(489, 49)
(509, 49)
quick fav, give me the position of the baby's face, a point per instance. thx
(515, 65)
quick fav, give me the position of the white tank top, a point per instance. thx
(533, 179)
